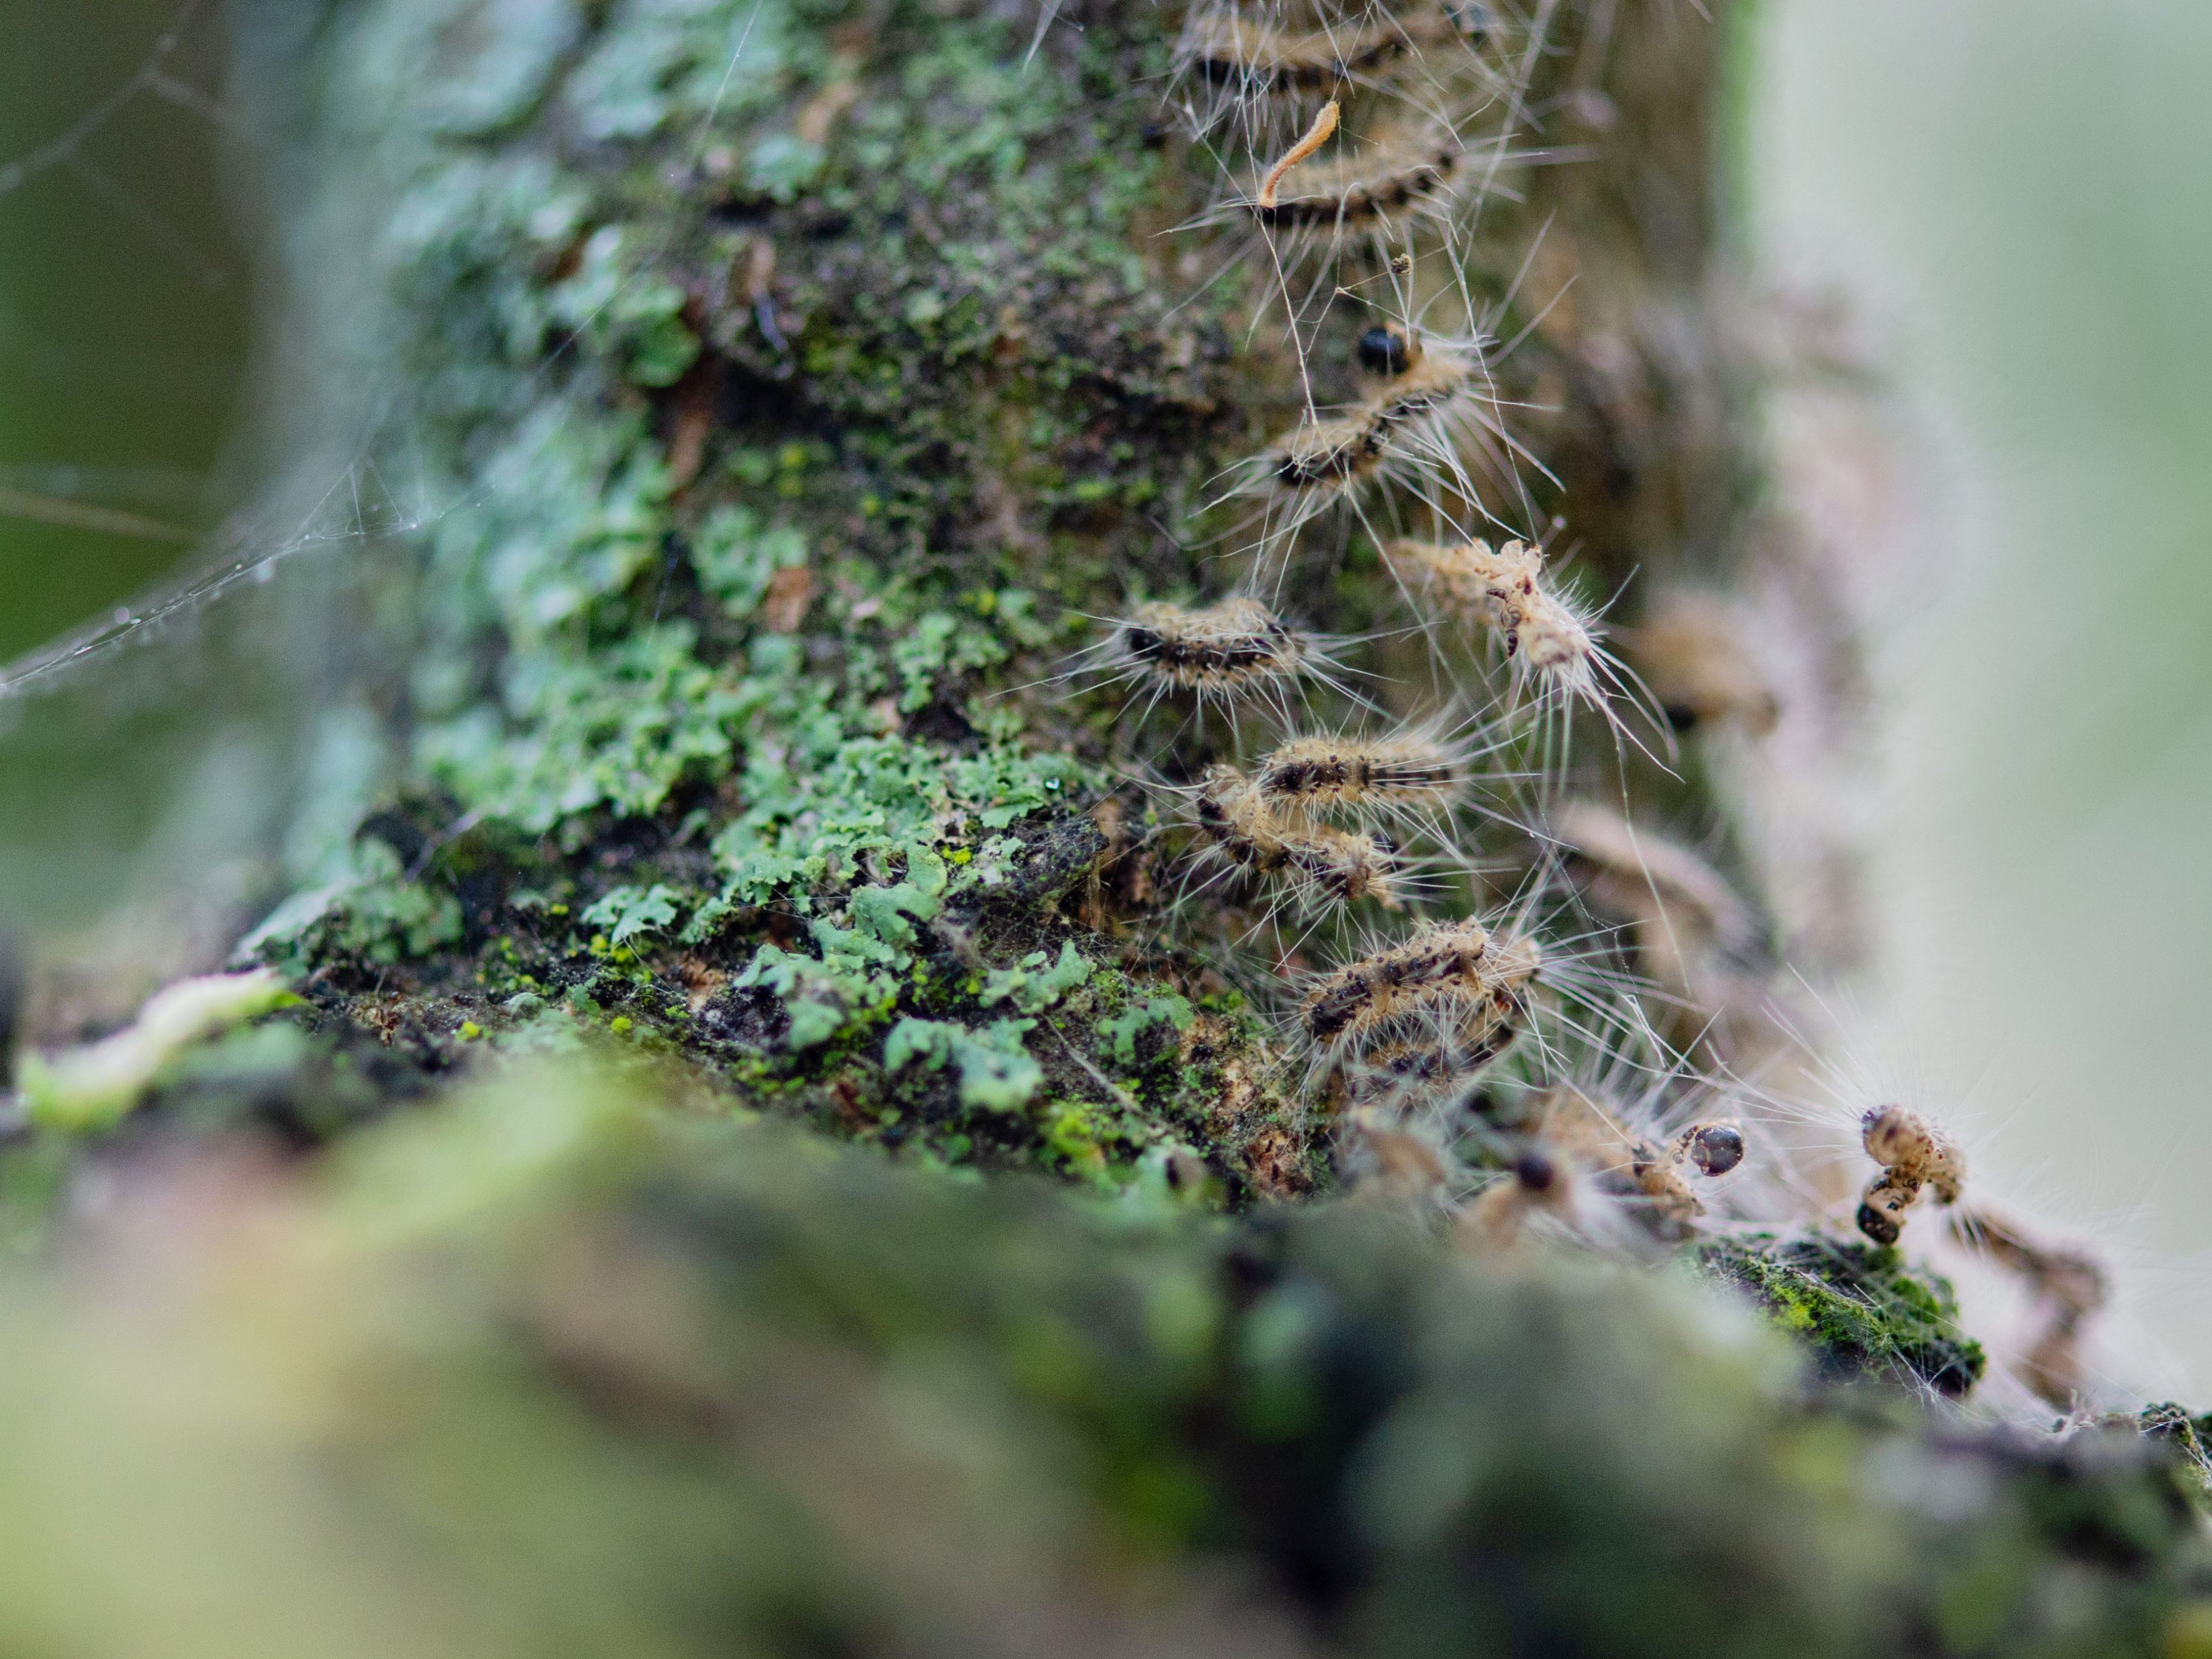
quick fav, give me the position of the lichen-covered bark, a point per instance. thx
(788, 386)
(794, 384)
(799, 418)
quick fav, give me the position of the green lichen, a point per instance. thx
(1862, 1310)
(768, 673)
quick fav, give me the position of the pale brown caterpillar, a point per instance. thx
(1381, 1155)
(1540, 1183)
(1456, 979)
(1637, 1165)
(1321, 862)
(1914, 1154)
(1401, 772)
(2070, 1283)
(1690, 934)
(1712, 1149)
(1694, 652)
(1634, 874)
(1549, 643)
(1310, 139)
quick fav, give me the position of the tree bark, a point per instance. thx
(782, 392)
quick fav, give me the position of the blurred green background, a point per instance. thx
(123, 304)
(127, 345)
(2015, 191)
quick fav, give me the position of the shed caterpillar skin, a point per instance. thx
(1693, 651)
(1449, 979)
(1549, 640)
(1323, 863)
(1914, 1154)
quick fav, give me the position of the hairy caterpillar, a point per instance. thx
(1373, 195)
(1249, 64)
(1405, 171)
(1323, 863)
(1913, 1154)
(1430, 410)
(1401, 1074)
(1381, 1154)
(1550, 642)
(1222, 652)
(1712, 1149)
(1402, 773)
(1693, 651)
(1504, 589)
(1455, 981)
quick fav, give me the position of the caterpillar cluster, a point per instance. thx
(1515, 1001)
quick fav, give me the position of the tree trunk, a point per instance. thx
(772, 397)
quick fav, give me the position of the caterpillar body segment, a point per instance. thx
(1324, 124)
(1322, 459)
(1660, 1172)
(1427, 428)
(1649, 1168)
(1368, 200)
(1539, 1183)
(1402, 1075)
(1380, 1154)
